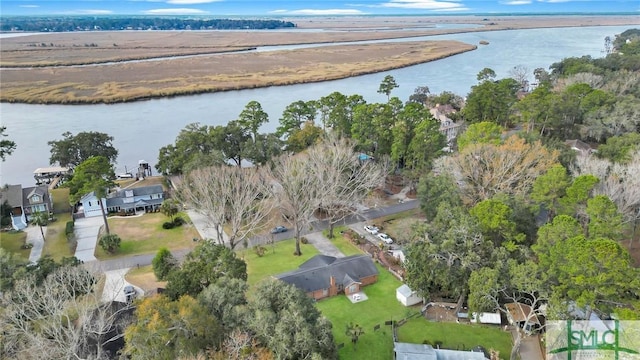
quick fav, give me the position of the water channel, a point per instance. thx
(141, 128)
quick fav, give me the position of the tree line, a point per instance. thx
(93, 23)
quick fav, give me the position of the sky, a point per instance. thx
(309, 7)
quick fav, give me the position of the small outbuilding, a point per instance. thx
(406, 296)
(486, 318)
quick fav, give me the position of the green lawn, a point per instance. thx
(342, 243)
(144, 235)
(11, 241)
(56, 243)
(60, 198)
(380, 307)
(456, 336)
(277, 259)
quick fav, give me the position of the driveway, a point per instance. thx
(204, 229)
(324, 245)
(86, 234)
(114, 286)
(34, 236)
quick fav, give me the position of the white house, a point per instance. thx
(146, 198)
(91, 205)
(406, 296)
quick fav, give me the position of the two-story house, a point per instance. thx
(25, 202)
(146, 198)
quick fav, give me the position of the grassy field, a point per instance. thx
(380, 307)
(60, 198)
(56, 243)
(144, 234)
(11, 241)
(144, 278)
(342, 243)
(277, 259)
(456, 336)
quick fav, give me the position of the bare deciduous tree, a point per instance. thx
(483, 170)
(296, 191)
(229, 195)
(346, 179)
(619, 182)
(520, 73)
(62, 318)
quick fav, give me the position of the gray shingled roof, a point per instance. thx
(12, 194)
(141, 191)
(41, 190)
(315, 274)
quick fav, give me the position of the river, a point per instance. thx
(141, 128)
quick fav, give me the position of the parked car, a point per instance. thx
(279, 229)
(371, 229)
(129, 293)
(129, 290)
(384, 237)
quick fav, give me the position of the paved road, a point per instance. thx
(317, 226)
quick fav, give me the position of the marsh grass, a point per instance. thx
(144, 80)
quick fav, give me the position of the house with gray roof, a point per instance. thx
(324, 276)
(25, 202)
(145, 198)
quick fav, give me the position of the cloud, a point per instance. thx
(94, 12)
(319, 12)
(554, 1)
(435, 5)
(29, 6)
(516, 2)
(190, 2)
(175, 11)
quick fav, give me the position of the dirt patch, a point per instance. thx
(441, 312)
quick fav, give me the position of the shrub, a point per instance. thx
(304, 240)
(110, 243)
(260, 250)
(163, 263)
(69, 228)
(168, 225)
(178, 221)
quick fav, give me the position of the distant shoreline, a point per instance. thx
(49, 78)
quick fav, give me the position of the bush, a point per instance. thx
(69, 228)
(178, 221)
(304, 240)
(168, 225)
(163, 263)
(110, 243)
(260, 250)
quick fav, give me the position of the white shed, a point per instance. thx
(486, 318)
(406, 296)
